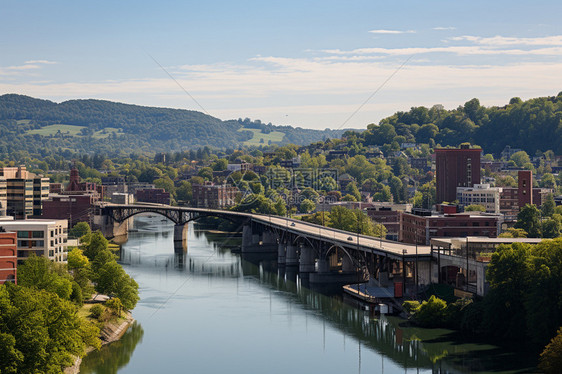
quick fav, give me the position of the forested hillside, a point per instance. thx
(531, 125)
(97, 126)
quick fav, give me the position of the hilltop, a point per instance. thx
(99, 126)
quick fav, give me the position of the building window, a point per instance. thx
(23, 234)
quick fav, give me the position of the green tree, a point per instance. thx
(528, 219)
(550, 228)
(97, 244)
(475, 208)
(79, 230)
(521, 159)
(551, 357)
(112, 280)
(42, 332)
(184, 192)
(548, 205)
(307, 206)
(40, 273)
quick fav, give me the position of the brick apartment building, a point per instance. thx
(421, 226)
(455, 167)
(512, 199)
(153, 195)
(215, 196)
(388, 215)
(8, 257)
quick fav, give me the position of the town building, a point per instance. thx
(153, 195)
(242, 166)
(72, 207)
(8, 257)
(455, 167)
(512, 199)
(25, 192)
(75, 203)
(508, 152)
(421, 225)
(42, 237)
(214, 196)
(462, 262)
(122, 198)
(3, 196)
(388, 214)
(480, 194)
(76, 186)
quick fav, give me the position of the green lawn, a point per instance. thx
(105, 132)
(274, 136)
(53, 129)
(73, 131)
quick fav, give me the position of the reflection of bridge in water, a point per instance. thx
(326, 255)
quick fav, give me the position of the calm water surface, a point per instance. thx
(213, 312)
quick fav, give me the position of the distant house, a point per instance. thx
(508, 152)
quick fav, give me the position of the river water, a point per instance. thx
(211, 311)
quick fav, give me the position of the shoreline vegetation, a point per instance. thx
(46, 325)
(112, 331)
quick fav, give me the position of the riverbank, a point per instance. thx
(112, 331)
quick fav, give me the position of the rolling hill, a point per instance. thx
(98, 126)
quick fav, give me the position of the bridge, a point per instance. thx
(325, 254)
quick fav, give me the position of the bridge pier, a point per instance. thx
(291, 255)
(306, 260)
(281, 253)
(180, 238)
(255, 242)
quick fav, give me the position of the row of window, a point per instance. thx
(31, 234)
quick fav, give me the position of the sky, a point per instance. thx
(312, 64)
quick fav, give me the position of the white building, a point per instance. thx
(43, 237)
(480, 194)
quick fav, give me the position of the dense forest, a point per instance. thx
(95, 126)
(532, 125)
(98, 126)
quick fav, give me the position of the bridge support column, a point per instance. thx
(306, 260)
(281, 253)
(291, 255)
(323, 265)
(347, 264)
(180, 238)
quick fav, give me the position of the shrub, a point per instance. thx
(551, 357)
(431, 313)
(96, 311)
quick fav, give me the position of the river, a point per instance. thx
(214, 312)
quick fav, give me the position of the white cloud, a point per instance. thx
(382, 31)
(553, 40)
(440, 28)
(46, 62)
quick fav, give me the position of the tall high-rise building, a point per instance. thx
(25, 192)
(455, 167)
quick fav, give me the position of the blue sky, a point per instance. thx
(304, 63)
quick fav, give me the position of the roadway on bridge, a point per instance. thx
(345, 238)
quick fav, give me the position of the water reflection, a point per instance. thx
(110, 358)
(210, 286)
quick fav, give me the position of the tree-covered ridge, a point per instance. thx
(140, 128)
(531, 125)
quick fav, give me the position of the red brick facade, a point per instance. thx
(455, 168)
(8, 257)
(420, 229)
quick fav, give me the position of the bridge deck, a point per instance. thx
(344, 238)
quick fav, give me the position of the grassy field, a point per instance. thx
(274, 136)
(73, 131)
(105, 132)
(53, 129)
